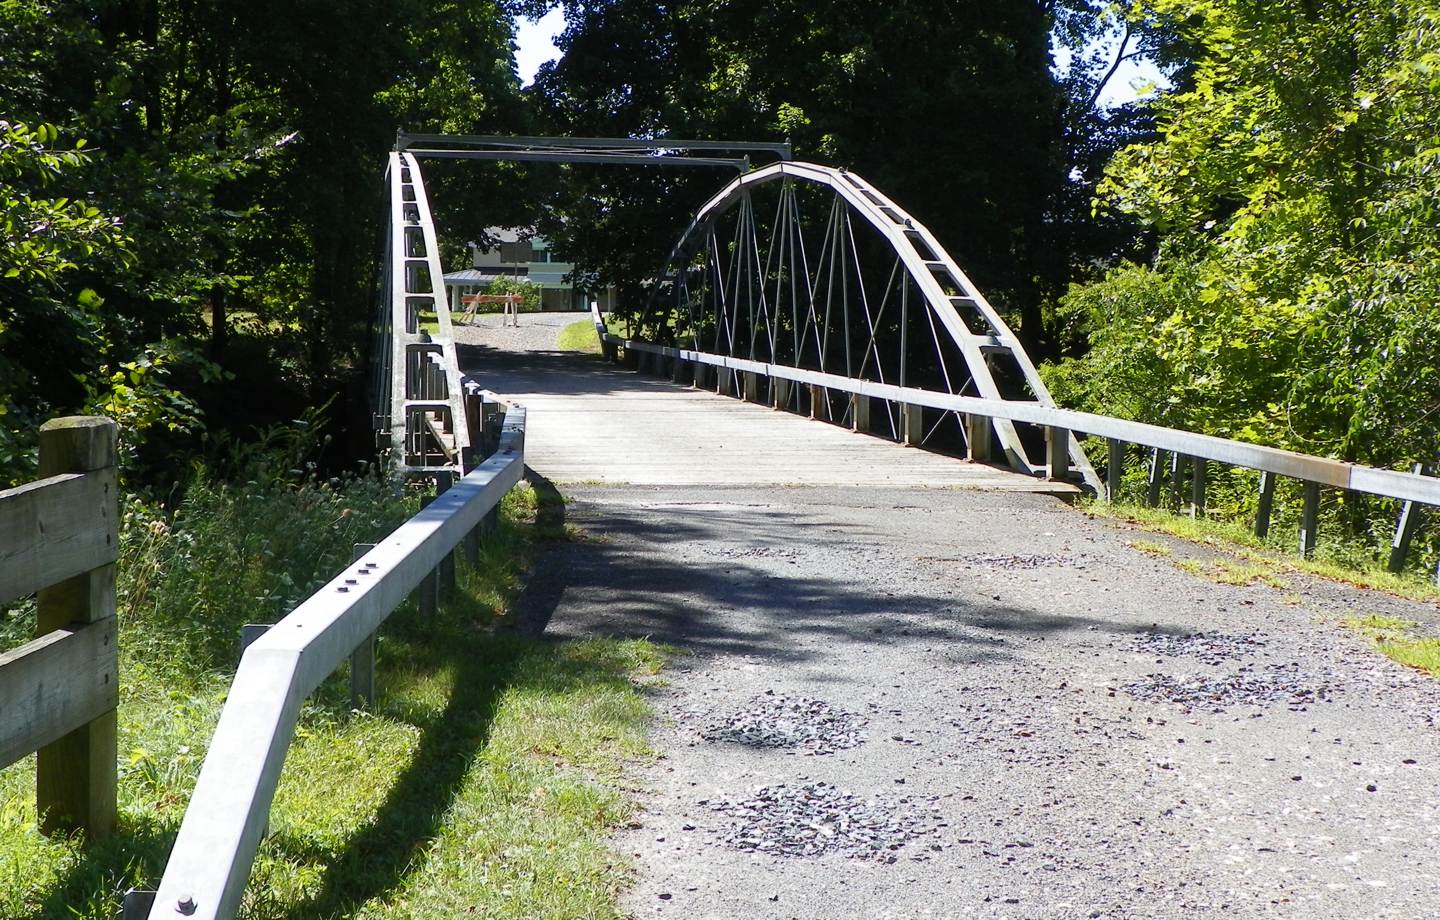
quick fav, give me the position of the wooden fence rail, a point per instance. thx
(59, 536)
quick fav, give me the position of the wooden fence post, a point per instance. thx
(75, 776)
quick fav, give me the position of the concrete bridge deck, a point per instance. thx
(597, 423)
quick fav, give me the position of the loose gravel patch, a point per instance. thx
(1021, 562)
(817, 818)
(776, 721)
(1272, 684)
(1210, 648)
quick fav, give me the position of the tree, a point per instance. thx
(1292, 187)
(949, 108)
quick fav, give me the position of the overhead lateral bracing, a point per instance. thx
(417, 391)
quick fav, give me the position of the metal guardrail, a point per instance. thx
(229, 809)
(1060, 423)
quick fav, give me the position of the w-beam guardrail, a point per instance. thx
(1059, 426)
(229, 809)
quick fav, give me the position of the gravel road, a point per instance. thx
(536, 332)
(936, 703)
(931, 703)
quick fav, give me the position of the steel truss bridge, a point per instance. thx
(797, 286)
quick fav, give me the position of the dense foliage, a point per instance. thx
(1292, 188)
(951, 108)
(207, 256)
(189, 195)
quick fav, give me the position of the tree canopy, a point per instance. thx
(191, 193)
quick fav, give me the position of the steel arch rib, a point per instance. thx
(873, 205)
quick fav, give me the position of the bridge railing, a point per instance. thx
(229, 809)
(738, 374)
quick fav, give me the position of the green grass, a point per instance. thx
(483, 782)
(1265, 561)
(1395, 639)
(580, 335)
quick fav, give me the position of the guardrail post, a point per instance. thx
(427, 595)
(817, 399)
(443, 482)
(1198, 473)
(1155, 480)
(912, 424)
(977, 433)
(677, 370)
(724, 381)
(860, 413)
(75, 776)
(1178, 464)
(1309, 519)
(1057, 453)
(779, 393)
(700, 379)
(362, 660)
(632, 358)
(1114, 468)
(752, 387)
(1404, 531)
(1265, 505)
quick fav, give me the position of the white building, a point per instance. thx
(518, 254)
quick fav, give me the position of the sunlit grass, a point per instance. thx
(1266, 561)
(483, 781)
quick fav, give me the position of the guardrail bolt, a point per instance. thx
(186, 905)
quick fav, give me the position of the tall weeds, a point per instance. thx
(254, 532)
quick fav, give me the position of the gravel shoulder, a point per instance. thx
(935, 703)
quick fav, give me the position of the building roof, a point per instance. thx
(476, 276)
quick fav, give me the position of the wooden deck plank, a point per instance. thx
(593, 422)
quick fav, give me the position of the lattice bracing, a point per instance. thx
(814, 268)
